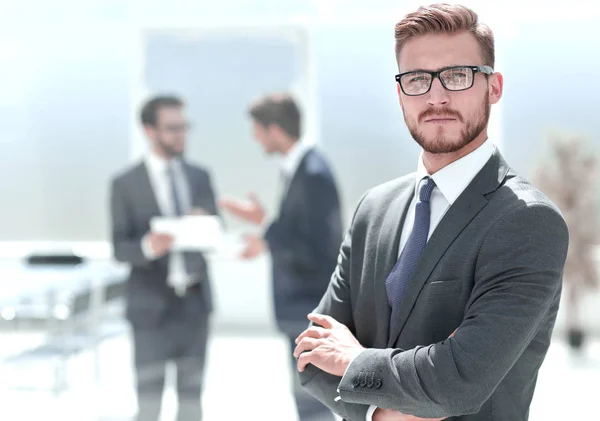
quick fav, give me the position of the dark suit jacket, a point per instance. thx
(492, 268)
(304, 242)
(133, 205)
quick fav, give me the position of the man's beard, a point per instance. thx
(170, 151)
(441, 144)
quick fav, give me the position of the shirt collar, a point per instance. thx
(454, 178)
(159, 164)
(292, 159)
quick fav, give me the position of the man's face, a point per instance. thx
(170, 132)
(443, 121)
(266, 137)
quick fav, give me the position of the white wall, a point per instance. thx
(69, 108)
(67, 69)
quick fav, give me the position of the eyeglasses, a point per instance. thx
(176, 128)
(455, 78)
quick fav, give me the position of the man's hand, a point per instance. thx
(255, 245)
(250, 211)
(329, 346)
(393, 415)
(160, 244)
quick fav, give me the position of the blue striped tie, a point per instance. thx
(398, 278)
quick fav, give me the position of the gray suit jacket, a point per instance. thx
(133, 205)
(492, 268)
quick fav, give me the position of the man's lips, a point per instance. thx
(439, 119)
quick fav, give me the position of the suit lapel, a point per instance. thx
(386, 255)
(458, 216)
(294, 179)
(146, 190)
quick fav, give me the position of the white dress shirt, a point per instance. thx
(450, 182)
(159, 180)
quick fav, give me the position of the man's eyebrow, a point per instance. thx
(436, 70)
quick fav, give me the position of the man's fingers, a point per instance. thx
(165, 241)
(313, 332)
(246, 253)
(306, 344)
(232, 205)
(305, 359)
(327, 322)
(225, 202)
(399, 416)
(250, 237)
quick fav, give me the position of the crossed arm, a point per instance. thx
(517, 277)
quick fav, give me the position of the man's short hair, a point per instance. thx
(279, 109)
(445, 18)
(149, 114)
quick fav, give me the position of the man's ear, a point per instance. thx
(149, 131)
(495, 87)
(399, 90)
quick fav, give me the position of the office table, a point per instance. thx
(67, 303)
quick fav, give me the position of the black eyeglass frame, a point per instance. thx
(488, 70)
(175, 128)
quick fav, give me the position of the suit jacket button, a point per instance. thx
(378, 383)
(356, 381)
(363, 382)
(370, 383)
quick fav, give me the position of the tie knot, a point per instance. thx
(425, 188)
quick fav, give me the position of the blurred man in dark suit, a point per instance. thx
(168, 293)
(305, 237)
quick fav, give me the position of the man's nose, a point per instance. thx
(437, 95)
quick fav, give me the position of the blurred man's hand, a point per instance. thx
(160, 244)
(254, 245)
(249, 210)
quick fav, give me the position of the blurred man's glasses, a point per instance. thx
(455, 78)
(176, 128)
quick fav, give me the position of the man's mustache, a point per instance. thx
(440, 113)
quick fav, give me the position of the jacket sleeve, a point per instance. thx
(127, 247)
(518, 278)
